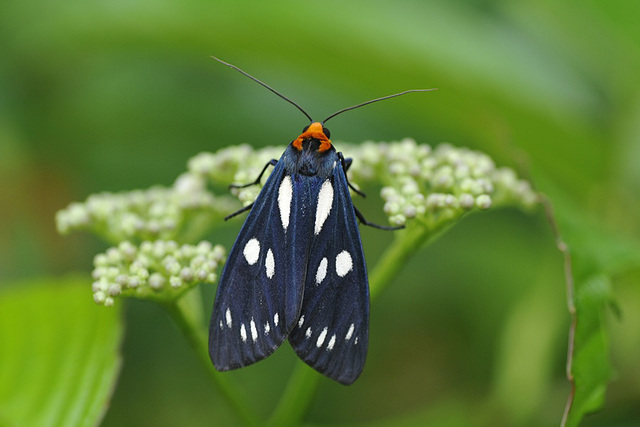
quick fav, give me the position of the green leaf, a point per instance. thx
(593, 256)
(59, 354)
(590, 367)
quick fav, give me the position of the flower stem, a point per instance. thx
(187, 322)
(297, 397)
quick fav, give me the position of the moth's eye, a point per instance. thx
(305, 129)
(326, 132)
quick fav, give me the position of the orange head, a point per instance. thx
(316, 131)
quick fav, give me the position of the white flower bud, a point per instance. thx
(450, 201)
(398, 220)
(466, 201)
(100, 260)
(410, 211)
(219, 253)
(397, 168)
(111, 273)
(461, 171)
(202, 274)
(175, 282)
(156, 281)
(435, 200)
(388, 193)
(409, 187)
(204, 247)
(99, 297)
(186, 274)
(443, 178)
(483, 201)
(171, 246)
(114, 289)
(127, 250)
(188, 183)
(146, 247)
(122, 280)
(142, 273)
(98, 273)
(391, 208)
(134, 282)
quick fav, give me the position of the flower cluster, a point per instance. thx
(436, 184)
(155, 213)
(159, 270)
(239, 164)
(418, 182)
(420, 185)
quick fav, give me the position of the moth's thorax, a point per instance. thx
(311, 154)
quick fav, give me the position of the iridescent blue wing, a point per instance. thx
(332, 332)
(260, 291)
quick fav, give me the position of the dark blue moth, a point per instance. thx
(297, 269)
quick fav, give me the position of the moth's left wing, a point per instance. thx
(332, 332)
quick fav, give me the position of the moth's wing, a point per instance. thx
(333, 328)
(258, 298)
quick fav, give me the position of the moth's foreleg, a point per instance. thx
(271, 162)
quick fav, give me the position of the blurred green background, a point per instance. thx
(111, 96)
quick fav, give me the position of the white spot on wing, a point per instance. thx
(254, 331)
(321, 337)
(344, 264)
(251, 251)
(270, 264)
(221, 327)
(227, 316)
(332, 342)
(275, 319)
(243, 333)
(308, 333)
(267, 328)
(322, 271)
(301, 321)
(350, 332)
(325, 201)
(285, 193)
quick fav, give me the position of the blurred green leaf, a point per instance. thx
(59, 354)
(113, 96)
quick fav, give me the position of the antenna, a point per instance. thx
(267, 86)
(376, 100)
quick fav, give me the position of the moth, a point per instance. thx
(297, 269)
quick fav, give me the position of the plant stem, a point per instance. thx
(297, 397)
(196, 336)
